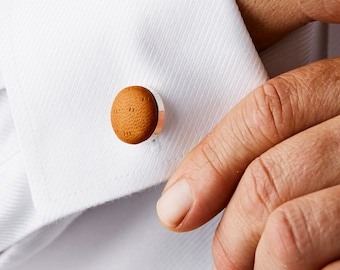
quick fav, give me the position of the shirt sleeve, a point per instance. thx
(334, 40)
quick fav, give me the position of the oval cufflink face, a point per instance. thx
(136, 114)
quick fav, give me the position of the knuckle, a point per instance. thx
(289, 234)
(261, 189)
(273, 114)
(211, 152)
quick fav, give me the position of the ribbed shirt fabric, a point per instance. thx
(27, 224)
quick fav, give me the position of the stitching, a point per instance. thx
(24, 103)
(96, 187)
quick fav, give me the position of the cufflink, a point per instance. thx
(137, 114)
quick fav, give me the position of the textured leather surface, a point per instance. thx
(134, 114)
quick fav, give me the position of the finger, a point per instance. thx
(282, 107)
(302, 164)
(332, 266)
(302, 234)
(269, 20)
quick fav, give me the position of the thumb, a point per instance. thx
(204, 182)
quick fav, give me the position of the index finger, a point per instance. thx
(269, 20)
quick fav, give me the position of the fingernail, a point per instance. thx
(175, 204)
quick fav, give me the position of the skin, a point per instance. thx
(273, 162)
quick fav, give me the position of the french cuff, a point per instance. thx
(64, 62)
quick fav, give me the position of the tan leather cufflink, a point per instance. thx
(137, 114)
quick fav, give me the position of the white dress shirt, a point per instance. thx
(62, 64)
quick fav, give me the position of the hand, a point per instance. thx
(274, 161)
